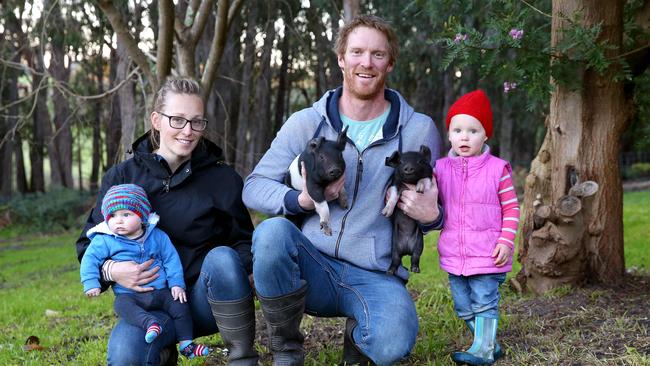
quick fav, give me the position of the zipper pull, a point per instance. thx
(166, 185)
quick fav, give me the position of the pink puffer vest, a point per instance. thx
(469, 192)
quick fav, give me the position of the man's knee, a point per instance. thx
(387, 347)
(268, 237)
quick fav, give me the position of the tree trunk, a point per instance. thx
(335, 76)
(8, 135)
(40, 119)
(322, 48)
(113, 123)
(96, 126)
(21, 174)
(263, 93)
(350, 9)
(61, 162)
(581, 144)
(505, 128)
(243, 132)
(223, 103)
(282, 83)
(126, 96)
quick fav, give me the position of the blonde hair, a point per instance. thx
(370, 21)
(176, 85)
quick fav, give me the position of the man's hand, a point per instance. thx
(501, 253)
(134, 276)
(93, 292)
(422, 207)
(179, 294)
(331, 191)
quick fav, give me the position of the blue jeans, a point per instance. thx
(386, 316)
(136, 308)
(222, 278)
(476, 295)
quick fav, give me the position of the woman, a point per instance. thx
(198, 198)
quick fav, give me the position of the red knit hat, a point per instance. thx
(475, 104)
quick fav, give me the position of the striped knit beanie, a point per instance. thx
(126, 197)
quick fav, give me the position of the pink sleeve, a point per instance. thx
(509, 209)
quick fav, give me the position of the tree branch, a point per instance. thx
(216, 50)
(121, 30)
(165, 39)
(200, 20)
(234, 10)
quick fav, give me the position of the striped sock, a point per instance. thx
(153, 331)
(190, 349)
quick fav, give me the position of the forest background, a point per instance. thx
(568, 80)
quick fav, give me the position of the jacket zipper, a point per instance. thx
(462, 216)
(354, 199)
(356, 186)
(166, 184)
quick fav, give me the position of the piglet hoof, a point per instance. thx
(391, 271)
(387, 211)
(415, 269)
(326, 228)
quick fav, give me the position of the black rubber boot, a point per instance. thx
(169, 355)
(236, 322)
(283, 315)
(351, 353)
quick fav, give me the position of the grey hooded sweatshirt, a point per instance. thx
(361, 235)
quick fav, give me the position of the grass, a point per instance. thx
(40, 295)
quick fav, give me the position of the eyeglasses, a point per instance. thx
(179, 122)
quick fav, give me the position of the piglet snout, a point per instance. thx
(334, 173)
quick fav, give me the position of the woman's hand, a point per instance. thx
(179, 294)
(134, 276)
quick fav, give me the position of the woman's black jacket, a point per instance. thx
(200, 204)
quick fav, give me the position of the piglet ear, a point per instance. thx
(425, 152)
(315, 143)
(393, 160)
(342, 139)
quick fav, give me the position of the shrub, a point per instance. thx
(59, 209)
(639, 170)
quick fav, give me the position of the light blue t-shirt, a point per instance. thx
(363, 133)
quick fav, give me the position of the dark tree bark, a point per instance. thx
(262, 110)
(282, 92)
(320, 50)
(61, 160)
(245, 129)
(21, 174)
(335, 77)
(113, 123)
(8, 95)
(505, 128)
(40, 119)
(8, 136)
(222, 105)
(96, 128)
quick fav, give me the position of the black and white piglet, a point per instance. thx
(323, 161)
(413, 167)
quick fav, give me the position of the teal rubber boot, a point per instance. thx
(498, 351)
(483, 348)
